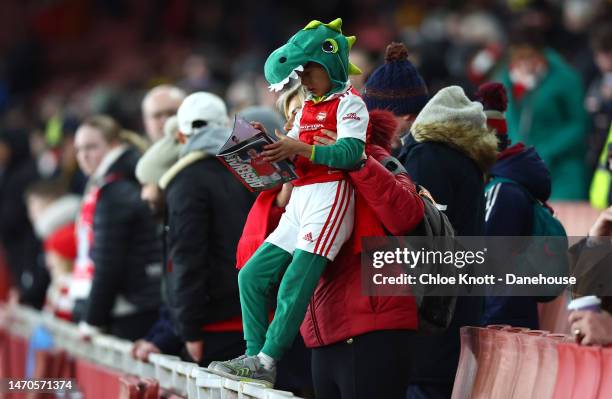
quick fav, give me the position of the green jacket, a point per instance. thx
(552, 118)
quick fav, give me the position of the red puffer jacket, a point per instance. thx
(337, 310)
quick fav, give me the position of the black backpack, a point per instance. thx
(435, 312)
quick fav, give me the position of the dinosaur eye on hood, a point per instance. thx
(329, 46)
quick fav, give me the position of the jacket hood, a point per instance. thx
(209, 140)
(479, 144)
(527, 168)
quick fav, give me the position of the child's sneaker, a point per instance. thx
(214, 364)
(245, 368)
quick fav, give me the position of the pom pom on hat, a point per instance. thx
(494, 99)
(396, 52)
(493, 96)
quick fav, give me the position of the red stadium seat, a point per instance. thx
(605, 385)
(96, 381)
(468, 364)
(485, 374)
(530, 361)
(150, 388)
(588, 371)
(579, 371)
(129, 388)
(566, 372)
(507, 346)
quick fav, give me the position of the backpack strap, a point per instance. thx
(533, 199)
(498, 179)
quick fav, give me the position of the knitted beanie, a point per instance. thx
(451, 105)
(396, 86)
(494, 99)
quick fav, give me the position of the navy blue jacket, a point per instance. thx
(509, 212)
(455, 180)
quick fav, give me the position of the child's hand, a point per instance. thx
(329, 140)
(259, 126)
(282, 198)
(284, 148)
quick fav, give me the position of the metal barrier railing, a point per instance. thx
(183, 378)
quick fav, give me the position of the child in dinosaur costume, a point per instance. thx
(319, 216)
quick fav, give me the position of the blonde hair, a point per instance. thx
(283, 101)
(112, 132)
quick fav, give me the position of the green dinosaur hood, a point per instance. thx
(317, 42)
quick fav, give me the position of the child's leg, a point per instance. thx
(326, 221)
(296, 289)
(255, 280)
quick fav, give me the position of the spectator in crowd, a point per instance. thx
(594, 328)
(398, 87)
(117, 272)
(449, 151)
(156, 161)
(449, 158)
(53, 212)
(599, 105)
(601, 189)
(207, 207)
(159, 104)
(150, 168)
(546, 110)
(294, 371)
(590, 262)
(599, 95)
(349, 338)
(17, 171)
(509, 205)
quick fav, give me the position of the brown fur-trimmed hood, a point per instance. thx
(480, 144)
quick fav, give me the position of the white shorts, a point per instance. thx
(318, 219)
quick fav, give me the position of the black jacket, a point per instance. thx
(22, 248)
(207, 209)
(126, 249)
(452, 167)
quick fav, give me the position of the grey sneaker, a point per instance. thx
(245, 368)
(237, 360)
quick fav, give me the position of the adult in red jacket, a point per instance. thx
(360, 343)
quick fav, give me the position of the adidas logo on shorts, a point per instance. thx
(308, 237)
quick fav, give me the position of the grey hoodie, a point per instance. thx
(209, 139)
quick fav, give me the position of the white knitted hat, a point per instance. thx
(451, 105)
(201, 106)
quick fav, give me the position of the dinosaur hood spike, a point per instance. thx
(313, 24)
(353, 69)
(351, 40)
(317, 42)
(336, 25)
